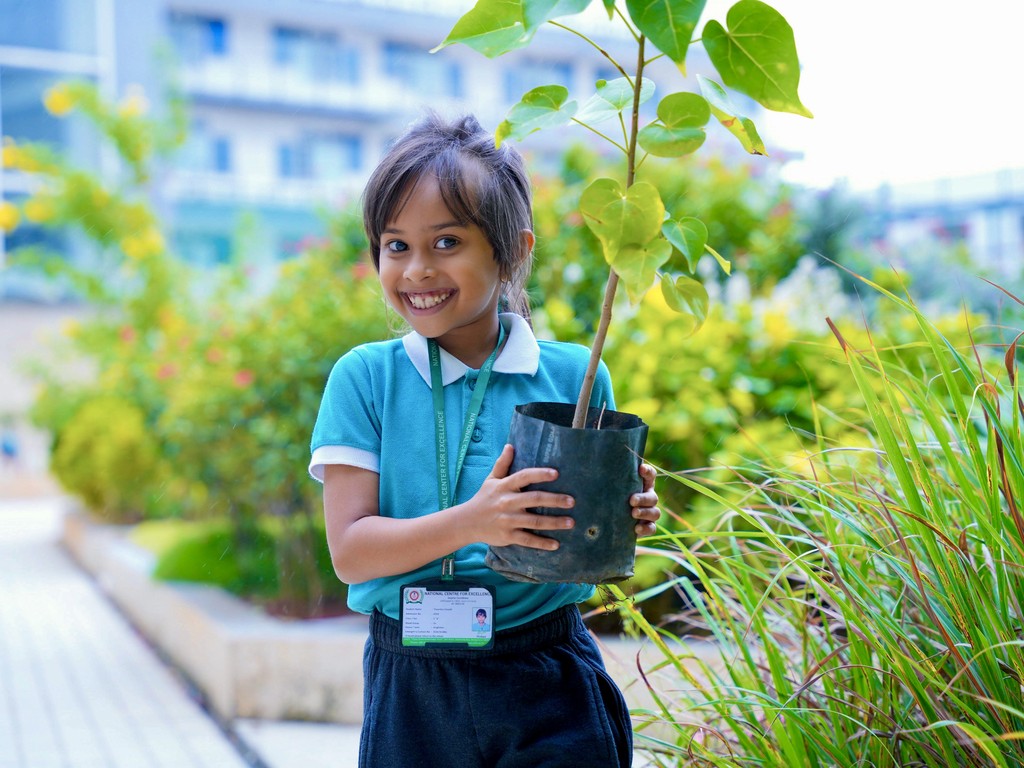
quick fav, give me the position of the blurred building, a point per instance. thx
(984, 213)
(291, 103)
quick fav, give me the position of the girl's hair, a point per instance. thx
(480, 183)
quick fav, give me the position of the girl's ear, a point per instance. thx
(526, 241)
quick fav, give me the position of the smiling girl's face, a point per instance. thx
(440, 275)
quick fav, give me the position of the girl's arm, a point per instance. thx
(366, 546)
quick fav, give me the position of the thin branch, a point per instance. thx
(606, 138)
(583, 402)
(633, 32)
(600, 50)
(653, 59)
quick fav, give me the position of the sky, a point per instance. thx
(902, 91)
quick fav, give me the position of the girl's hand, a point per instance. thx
(645, 503)
(497, 513)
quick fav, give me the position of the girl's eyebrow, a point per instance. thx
(442, 225)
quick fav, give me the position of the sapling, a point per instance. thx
(753, 53)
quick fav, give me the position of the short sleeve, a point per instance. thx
(347, 429)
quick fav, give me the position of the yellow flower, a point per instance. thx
(11, 154)
(134, 103)
(18, 158)
(100, 197)
(71, 328)
(9, 216)
(39, 209)
(59, 100)
(171, 323)
(147, 243)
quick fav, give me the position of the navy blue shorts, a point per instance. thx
(541, 698)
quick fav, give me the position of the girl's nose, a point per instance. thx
(418, 268)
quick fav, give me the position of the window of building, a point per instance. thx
(22, 114)
(221, 147)
(422, 72)
(53, 24)
(323, 156)
(318, 56)
(293, 161)
(206, 152)
(531, 74)
(203, 249)
(197, 38)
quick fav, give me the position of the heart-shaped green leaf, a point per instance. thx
(620, 218)
(491, 27)
(611, 98)
(757, 55)
(681, 131)
(543, 107)
(687, 297)
(637, 266)
(724, 263)
(667, 142)
(689, 236)
(669, 24)
(538, 12)
(739, 126)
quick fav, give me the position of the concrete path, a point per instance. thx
(78, 688)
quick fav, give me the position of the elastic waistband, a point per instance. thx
(543, 632)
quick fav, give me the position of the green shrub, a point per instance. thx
(209, 552)
(213, 557)
(107, 457)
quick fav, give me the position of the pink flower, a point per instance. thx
(166, 371)
(215, 354)
(127, 334)
(244, 378)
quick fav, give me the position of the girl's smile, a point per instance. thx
(440, 274)
(427, 301)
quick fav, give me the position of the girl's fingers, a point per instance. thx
(645, 499)
(530, 475)
(504, 462)
(648, 473)
(545, 522)
(647, 514)
(532, 540)
(646, 529)
(528, 499)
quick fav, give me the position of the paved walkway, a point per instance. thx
(78, 688)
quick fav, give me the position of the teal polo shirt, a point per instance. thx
(377, 413)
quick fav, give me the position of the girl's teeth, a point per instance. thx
(426, 302)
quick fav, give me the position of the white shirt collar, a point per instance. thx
(521, 353)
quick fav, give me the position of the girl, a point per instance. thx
(449, 220)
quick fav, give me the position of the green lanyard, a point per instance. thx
(446, 484)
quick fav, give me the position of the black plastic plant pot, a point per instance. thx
(597, 466)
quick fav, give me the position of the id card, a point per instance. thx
(447, 614)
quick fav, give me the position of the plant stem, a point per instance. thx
(579, 418)
(600, 50)
(609, 139)
(625, 20)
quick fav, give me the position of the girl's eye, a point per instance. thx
(447, 242)
(395, 246)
